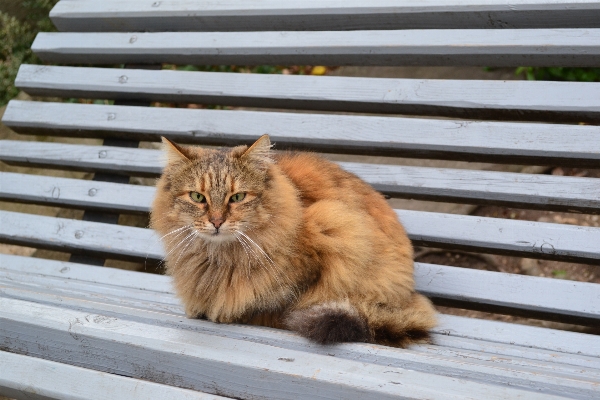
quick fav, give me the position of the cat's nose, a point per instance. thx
(217, 221)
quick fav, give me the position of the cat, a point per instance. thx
(289, 241)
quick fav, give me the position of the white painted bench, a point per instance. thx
(124, 335)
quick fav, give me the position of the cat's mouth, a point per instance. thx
(218, 235)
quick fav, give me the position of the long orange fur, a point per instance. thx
(311, 247)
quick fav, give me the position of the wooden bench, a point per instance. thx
(71, 329)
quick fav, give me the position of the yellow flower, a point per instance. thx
(318, 70)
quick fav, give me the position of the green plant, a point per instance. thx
(19, 23)
(559, 273)
(560, 74)
(257, 69)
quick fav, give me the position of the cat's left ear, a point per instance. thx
(260, 151)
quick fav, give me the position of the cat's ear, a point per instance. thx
(260, 151)
(175, 152)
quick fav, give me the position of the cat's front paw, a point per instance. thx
(194, 314)
(329, 323)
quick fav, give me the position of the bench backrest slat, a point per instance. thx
(502, 142)
(513, 100)
(437, 184)
(491, 235)
(274, 15)
(495, 48)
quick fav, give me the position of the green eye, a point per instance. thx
(237, 197)
(197, 197)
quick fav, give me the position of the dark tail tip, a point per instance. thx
(329, 323)
(391, 336)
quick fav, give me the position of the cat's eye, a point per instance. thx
(237, 197)
(197, 197)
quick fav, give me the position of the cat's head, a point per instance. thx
(217, 193)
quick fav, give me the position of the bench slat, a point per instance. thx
(141, 162)
(273, 15)
(550, 353)
(554, 377)
(86, 194)
(510, 293)
(74, 236)
(503, 236)
(484, 47)
(484, 290)
(213, 364)
(34, 378)
(437, 184)
(555, 341)
(157, 284)
(502, 142)
(490, 235)
(522, 100)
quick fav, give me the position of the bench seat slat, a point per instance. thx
(491, 235)
(273, 15)
(503, 142)
(529, 296)
(163, 304)
(34, 378)
(438, 184)
(213, 364)
(154, 283)
(484, 47)
(550, 353)
(554, 377)
(522, 100)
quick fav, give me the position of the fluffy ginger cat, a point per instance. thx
(288, 241)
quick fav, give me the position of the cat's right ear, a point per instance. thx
(174, 151)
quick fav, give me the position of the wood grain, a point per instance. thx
(516, 100)
(515, 143)
(483, 47)
(38, 379)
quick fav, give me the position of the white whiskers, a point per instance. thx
(255, 252)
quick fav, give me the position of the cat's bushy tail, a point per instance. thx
(342, 321)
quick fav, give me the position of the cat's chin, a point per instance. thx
(220, 237)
